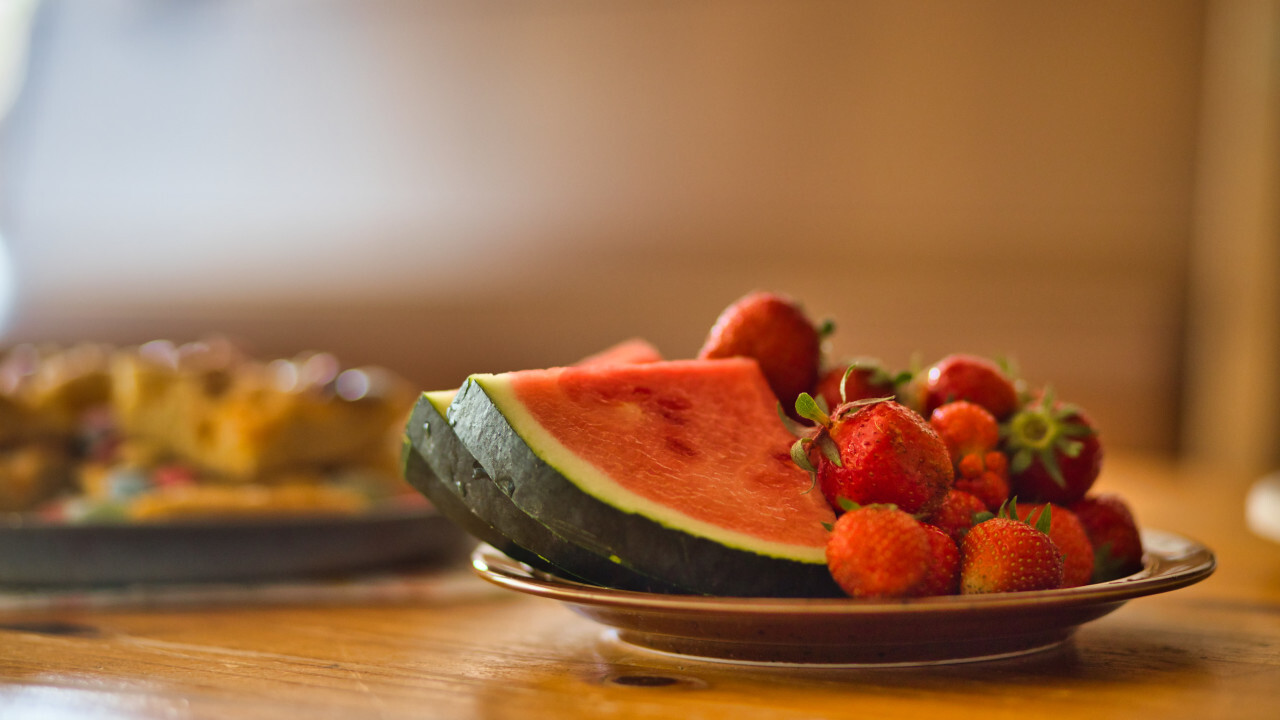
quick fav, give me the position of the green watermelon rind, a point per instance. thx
(429, 462)
(439, 466)
(579, 502)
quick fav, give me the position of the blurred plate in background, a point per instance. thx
(42, 554)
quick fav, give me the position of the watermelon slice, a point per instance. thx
(441, 468)
(678, 470)
(437, 464)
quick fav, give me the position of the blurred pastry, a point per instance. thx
(161, 430)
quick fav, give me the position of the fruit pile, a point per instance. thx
(953, 479)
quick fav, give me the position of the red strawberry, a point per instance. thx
(1117, 544)
(1068, 533)
(861, 379)
(987, 477)
(1054, 452)
(972, 378)
(878, 551)
(875, 452)
(1007, 555)
(943, 576)
(967, 428)
(774, 330)
(972, 434)
(956, 513)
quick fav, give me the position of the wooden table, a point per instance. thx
(1208, 651)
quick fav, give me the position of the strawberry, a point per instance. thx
(943, 576)
(968, 377)
(956, 513)
(878, 551)
(1068, 533)
(861, 379)
(875, 451)
(1054, 451)
(966, 427)
(972, 436)
(772, 329)
(1004, 554)
(1117, 544)
(986, 477)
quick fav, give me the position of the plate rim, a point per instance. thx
(25, 523)
(49, 556)
(1162, 572)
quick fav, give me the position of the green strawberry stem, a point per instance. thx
(800, 456)
(1106, 565)
(808, 408)
(1009, 511)
(1044, 432)
(793, 427)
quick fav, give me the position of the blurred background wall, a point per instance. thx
(447, 187)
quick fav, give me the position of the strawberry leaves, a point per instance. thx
(1009, 511)
(810, 436)
(816, 435)
(807, 408)
(1044, 431)
(877, 376)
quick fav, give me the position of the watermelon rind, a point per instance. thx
(440, 467)
(581, 504)
(434, 462)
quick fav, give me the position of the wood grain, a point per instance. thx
(1208, 651)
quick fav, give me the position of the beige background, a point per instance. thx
(448, 187)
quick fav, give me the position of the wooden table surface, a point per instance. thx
(1211, 650)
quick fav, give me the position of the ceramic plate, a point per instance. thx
(43, 554)
(858, 632)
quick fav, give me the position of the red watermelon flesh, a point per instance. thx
(442, 469)
(694, 443)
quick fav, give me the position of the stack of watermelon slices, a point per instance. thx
(630, 472)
